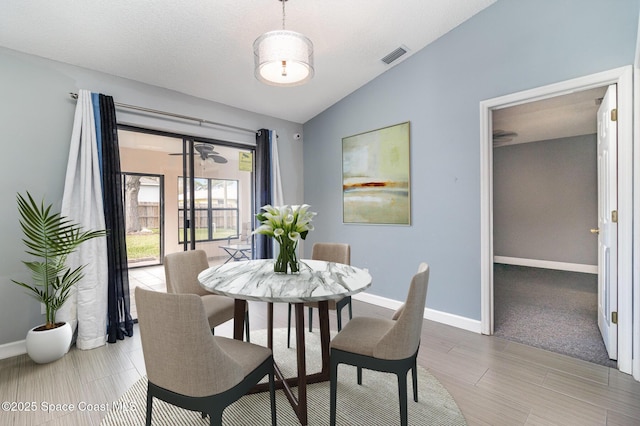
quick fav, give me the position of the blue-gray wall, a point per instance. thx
(545, 200)
(511, 46)
(36, 118)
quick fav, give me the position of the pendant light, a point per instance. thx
(283, 58)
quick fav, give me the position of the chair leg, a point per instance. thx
(246, 326)
(414, 374)
(149, 407)
(333, 386)
(289, 327)
(272, 395)
(341, 304)
(359, 375)
(310, 320)
(402, 396)
(215, 419)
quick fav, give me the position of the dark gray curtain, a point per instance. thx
(264, 248)
(119, 322)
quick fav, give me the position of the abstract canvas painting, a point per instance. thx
(375, 176)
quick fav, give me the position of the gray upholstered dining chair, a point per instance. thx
(329, 252)
(189, 367)
(388, 345)
(181, 271)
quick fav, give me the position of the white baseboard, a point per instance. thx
(547, 264)
(453, 320)
(12, 349)
(430, 314)
(378, 300)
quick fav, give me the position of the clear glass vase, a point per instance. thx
(287, 261)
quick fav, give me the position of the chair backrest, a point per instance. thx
(403, 339)
(332, 252)
(181, 271)
(180, 353)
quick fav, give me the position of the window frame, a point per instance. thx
(209, 209)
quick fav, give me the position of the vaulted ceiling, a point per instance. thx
(204, 48)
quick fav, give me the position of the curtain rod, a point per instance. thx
(201, 121)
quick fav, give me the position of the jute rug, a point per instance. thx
(373, 403)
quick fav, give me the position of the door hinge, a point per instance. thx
(614, 317)
(614, 216)
(614, 114)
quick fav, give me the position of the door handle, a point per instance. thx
(595, 230)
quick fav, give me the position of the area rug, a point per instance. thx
(373, 403)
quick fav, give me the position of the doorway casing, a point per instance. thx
(623, 77)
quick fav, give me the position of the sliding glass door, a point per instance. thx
(199, 192)
(215, 203)
(183, 193)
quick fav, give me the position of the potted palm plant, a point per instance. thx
(50, 238)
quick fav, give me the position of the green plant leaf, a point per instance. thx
(51, 238)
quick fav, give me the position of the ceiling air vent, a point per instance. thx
(395, 55)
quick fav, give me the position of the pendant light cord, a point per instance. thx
(283, 2)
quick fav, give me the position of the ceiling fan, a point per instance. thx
(501, 137)
(206, 151)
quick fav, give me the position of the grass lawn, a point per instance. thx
(147, 246)
(143, 246)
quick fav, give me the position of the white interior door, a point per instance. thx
(607, 222)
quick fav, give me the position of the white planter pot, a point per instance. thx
(48, 345)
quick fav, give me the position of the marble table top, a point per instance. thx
(256, 280)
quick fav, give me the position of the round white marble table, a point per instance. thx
(317, 281)
(255, 280)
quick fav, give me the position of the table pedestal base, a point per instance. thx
(299, 404)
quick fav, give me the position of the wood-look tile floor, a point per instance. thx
(494, 381)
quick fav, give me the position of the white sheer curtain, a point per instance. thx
(277, 194)
(82, 203)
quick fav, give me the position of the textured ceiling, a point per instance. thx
(204, 48)
(554, 118)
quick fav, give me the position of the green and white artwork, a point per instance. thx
(375, 176)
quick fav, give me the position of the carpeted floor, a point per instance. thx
(553, 310)
(373, 403)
